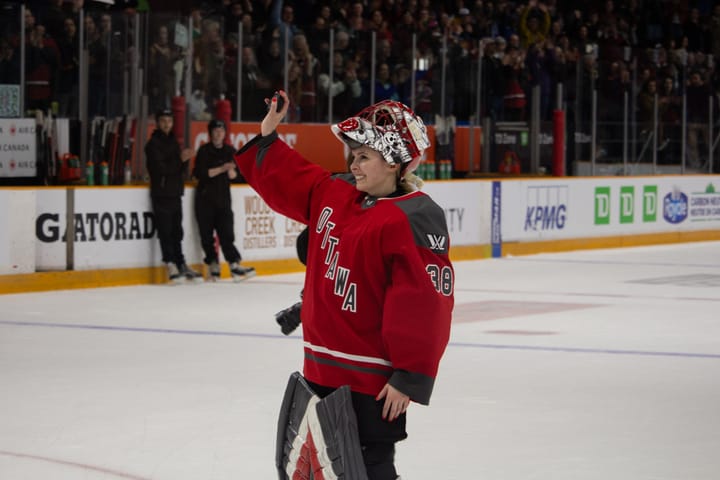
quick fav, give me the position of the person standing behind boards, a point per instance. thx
(167, 165)
(215, 169)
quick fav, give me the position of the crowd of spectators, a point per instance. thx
(639, 46)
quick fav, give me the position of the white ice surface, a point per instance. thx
(184, 383)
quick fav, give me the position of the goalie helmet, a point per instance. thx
(390, 128)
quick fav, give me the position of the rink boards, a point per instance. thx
(115, 242)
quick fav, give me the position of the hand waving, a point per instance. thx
(274, 117)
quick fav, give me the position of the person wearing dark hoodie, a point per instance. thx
(167, 166)
(215, 168)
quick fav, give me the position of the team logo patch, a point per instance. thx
(437, 242)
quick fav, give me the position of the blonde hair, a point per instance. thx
(410, 182)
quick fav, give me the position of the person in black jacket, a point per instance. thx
(167, 165)
(214, 169)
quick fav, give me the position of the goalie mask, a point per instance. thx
(390, 128)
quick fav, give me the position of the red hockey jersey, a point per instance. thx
(379, 285)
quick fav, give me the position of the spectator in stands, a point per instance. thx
(714, 31)
(294, 92)
(73, 8)
(111, 37)
(698, 96)
(384, 85)
(9, 63)
(344, 44)
(540, 64)
(233, 17)
(209, 63)
(282, 19)
(379, 25)
(514, 75)
(694, 32)
(68, 77)
(646, 107)
(582, 41)
(362, 72)
(557, 30)
(255, 84)
(493, 80)
(425, 27)
(161, 72)
(608, 16)
(612, 84)
(318, 38)
(326, 13)
(534, 24)
(53, 17)
(423, 98)
(514, 42)
(271, 62)
(402, 38)
(343, 89)
(231, 48)
(670, 114)
(611, 46)
(402, 80)
(310, 69)
(41, 63)
(505, 20)
(384, 52)
(97, 68)
(355, 18)
(251, 37)
(197, 16)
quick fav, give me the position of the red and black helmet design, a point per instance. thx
(390, 128)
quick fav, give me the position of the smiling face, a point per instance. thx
(373, 175)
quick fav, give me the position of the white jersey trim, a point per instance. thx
(347, 356)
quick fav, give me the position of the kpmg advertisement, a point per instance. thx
(537, 210)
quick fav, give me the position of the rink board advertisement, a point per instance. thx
(17, 245)
(537, 210)
(115, 228)
(467, 210)
(17, 147)
(265, 234)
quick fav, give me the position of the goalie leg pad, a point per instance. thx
(317, 439)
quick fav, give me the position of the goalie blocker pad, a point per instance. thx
(317, 438)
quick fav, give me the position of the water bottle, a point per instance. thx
(90, 173)
(127, 173)
(104, 173)
(430, 170)
(448, 170)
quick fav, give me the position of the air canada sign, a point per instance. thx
(17, 147)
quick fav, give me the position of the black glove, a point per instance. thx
(289, 319)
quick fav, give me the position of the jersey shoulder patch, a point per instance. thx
(427, 222)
